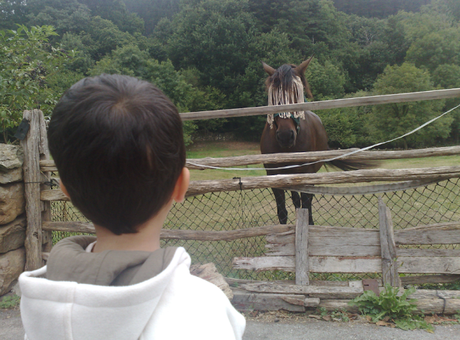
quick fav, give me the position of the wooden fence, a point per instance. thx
(301, 248)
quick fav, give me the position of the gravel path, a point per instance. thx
(286, 329)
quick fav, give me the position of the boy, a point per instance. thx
(118, 145)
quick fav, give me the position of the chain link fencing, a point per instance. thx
(433, 203)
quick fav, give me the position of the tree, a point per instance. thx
(28, 62)
(437, 48)
(393, 120)
(448, 76)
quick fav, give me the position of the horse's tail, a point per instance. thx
(347, 165)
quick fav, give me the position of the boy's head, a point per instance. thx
(118, 145)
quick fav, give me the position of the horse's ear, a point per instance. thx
(303, 66)
(270, 70)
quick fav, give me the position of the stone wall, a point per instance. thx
(12, 216)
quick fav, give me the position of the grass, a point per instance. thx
(246, 209)
(10, 302)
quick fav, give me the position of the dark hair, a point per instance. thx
(118, 145)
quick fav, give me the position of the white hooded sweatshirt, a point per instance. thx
(172, 305)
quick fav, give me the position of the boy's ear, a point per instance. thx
(181, 186)
(63, 189)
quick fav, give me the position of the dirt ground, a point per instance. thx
(286, 326)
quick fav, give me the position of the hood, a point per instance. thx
(70, 310)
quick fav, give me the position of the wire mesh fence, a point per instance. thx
(433, 203)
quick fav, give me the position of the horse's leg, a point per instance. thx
(295, 199)
(280, 205)
(307, 200)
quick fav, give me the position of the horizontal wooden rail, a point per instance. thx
(302, 157)
(196, 235)
(283, 181)
(322, 105)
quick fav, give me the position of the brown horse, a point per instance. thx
(293, 131)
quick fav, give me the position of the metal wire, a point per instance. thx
(434, 203)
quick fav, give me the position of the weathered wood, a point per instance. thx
(358, 176)
(32, 179)
(421, 279)
(311, 302)
(239, 282)
(440, 233)
(407, 265)
(428, 252)
(322, 292)
(433, 294)
(47, 237)
(429, 265)
(197, 235)
(245, 301)
(284, 263)
(302, 157)
(360, 190)
(301, 248)
(322, 105)
(328, 241)
(53, 195)
(283, 181)
(388, 247)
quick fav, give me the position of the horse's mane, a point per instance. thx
(285, 87)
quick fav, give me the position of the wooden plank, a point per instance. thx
(317, 264)
(428, 252)
(47, 237)
(328, 241)
(440, 233)
(245, 301)
(301, 248)
(197, 235)
(239, 282)
(32, 180)
(53, 195)
(284, 263)
(326, 104)
(322, 292)
(408, 265)
(303, 157)
(387, 246)
(429, 265)
(420, 279)
(433, 294)
(282, 181)
(311, 302)
(358, 176)
(361, 190)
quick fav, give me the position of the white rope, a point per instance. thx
(335, 158)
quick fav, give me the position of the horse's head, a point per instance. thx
(286, 85)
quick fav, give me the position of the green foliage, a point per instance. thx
(10, 301)
(28, 63)
(393, 120)
(393, 306)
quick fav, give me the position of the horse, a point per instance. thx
(293, 132)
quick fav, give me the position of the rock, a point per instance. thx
(12, 235)
(11, 266)
(11, 157)
(11, 161)
(12, 202)
(11, 176)
(209, 273)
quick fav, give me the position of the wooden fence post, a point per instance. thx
(302, 267)
(33, 179)
(388, 247)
